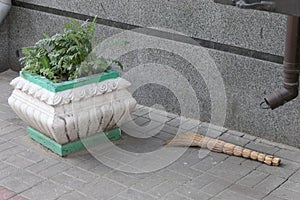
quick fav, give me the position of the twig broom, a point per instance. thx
(219, 146)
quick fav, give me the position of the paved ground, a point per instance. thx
(29, 171)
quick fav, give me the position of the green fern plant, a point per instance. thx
(66, 56)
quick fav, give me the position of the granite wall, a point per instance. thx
(4, 44)
(246, 48)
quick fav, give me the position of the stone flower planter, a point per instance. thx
(61, 115)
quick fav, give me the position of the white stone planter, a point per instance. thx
(72, 111)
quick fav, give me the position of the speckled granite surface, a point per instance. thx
(4, 46)
(203, 19)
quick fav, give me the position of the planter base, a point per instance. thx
(66, 149)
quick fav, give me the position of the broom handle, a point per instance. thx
(231, 149)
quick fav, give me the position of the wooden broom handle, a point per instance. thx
(231, 149)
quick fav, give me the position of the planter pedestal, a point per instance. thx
(66, 149)
(62, 115)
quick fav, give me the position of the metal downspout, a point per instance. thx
(291, 67)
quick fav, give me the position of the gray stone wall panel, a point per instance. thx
(4, 61)
(202, 19)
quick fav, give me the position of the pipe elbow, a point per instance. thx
(282, 96)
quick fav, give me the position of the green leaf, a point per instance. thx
(72, 49)
(119, 64)
(46, 36)
(91, 27)
(26, 51)
(76, 26)
(68, 26)
(45, 62)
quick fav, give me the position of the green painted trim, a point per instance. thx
(58, 87)
(44, 140)
(66, 149)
